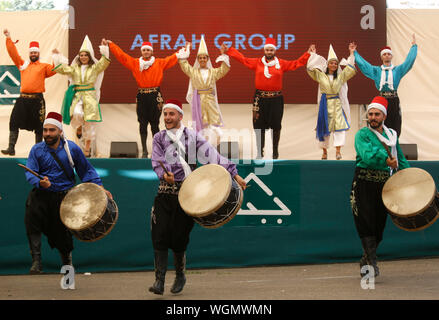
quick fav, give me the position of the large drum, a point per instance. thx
(411, 198)
(88, 213)
(210, 196)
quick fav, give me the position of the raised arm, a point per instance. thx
(238, 56)
(61, 63)
(366, 68)
(222, 70)
(12, 50)
(410, 60)
(126, 60)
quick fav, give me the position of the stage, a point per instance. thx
(295, 212)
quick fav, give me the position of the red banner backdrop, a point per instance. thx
(243, 24)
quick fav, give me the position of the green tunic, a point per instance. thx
(371, 154)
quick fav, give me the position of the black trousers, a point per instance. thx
(394, 117)
(369, 212)
(149, 110)
(28, 114)
(42, 216)
(268, 112)
(170, 225)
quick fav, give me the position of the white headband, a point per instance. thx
(34, 49)
(270, 46)
(54, 122)
(146, 47)
(385, 51)
(173, 106)
(377, 106)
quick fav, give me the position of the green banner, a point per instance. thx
(9, 84)
(294, 212)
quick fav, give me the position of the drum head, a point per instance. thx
(205, 190)
(409, 192)
(83, 206)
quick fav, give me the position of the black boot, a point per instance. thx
(276, 138)
(370, 247)
(143, 137)
(260, 143)
(160, 265)
(66, 258)
(35, 251)
(13, 137)
(180, 278)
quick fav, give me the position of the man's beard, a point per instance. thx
(34, 59)
(51, 141)
(268, 58)
(375, 124)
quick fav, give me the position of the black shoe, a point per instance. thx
(179, 282)
(158, 287)
(36, 267)
(160, 266)
(9, 151)
(180, 279)
(35, 251)
(369, 247)
(66, 258)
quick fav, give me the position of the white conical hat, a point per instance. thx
(87, 46)
(202, 49)
(331, 54)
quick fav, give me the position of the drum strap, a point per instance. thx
(71, 178)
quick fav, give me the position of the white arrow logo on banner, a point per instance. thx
(253, 211)
(7, 94)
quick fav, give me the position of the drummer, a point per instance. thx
(374, 165)
(178, 149)
(53, 159)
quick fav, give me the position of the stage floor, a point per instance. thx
(415, 279)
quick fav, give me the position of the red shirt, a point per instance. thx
(261, 81)
(153, 76)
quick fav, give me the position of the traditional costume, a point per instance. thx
(370, 175)
(202, 93)
(177, 149)
(30, 108)
(268, 105)
(42, 205)
(334, 110)
(148, 75)
(387, 80)
(81, 101)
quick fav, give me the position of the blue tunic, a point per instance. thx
(374, 72)
(41, 161)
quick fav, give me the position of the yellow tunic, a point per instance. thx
(91, 105)
(336, 118)
(206, 89)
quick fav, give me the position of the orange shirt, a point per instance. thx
(261, 81)
(33, 77)
(153, 76)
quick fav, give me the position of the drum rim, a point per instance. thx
(107, 232)
(417, 229)
(220, 204)
(241, 199)
(435, 194)
(88, 225)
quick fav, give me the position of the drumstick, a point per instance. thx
(387, 149)
(31, 171)
(163, 167)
